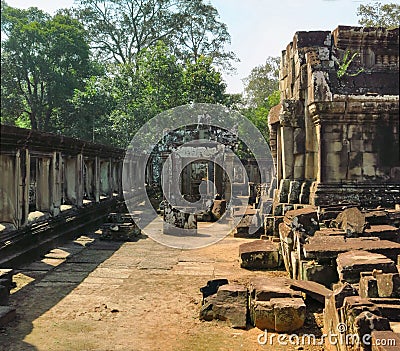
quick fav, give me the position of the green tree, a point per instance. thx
(203, 83)
(121, 29)
(261, 93)
(202, 34)
(262, 82)
(378, 15)
(43, 59)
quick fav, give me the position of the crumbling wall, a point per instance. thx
(335, 135)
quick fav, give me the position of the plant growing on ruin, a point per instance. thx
(344, 65)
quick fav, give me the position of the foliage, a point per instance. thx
(121, 29)
(144, 63)
(262, 82)
(262, 93)
(378, 15)
(43, 59)
(202, 34)
(344, 65)
(129, 95)
(202, 82)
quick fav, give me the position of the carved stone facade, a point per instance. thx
(335, 135)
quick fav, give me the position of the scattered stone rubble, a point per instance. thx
(120, 227)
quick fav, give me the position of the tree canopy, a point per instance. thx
(100, 70)
(43, 59)
(378, 15)
(261, 93)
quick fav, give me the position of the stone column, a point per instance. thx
(287, 152)
(279, 155)
(110, 178)
(43, 185)
(96, 179)
(74, 179)
(55, 183)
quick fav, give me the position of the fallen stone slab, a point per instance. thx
(383, 232)
(315, 290)
(7, 314)
(228, 304)
(328, 247)
(351, 264)
(330, 232)
(267, 288)
(259, 254)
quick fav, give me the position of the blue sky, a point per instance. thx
(259, 28)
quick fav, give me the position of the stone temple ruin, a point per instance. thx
(327, 219)
(335, 216)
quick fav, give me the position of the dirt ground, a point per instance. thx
(97, 295)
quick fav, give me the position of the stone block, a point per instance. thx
(294, 191)
(369, 159)
(299, 141)
(368, 286)
(304, 197)
(312, 289)
(262, 315)
(265, 289)
(259, 254)
(178, 218)
(328, 247)
(271, 225)
(324, 274)
(7, 274)
(289, 314)
(366, 322)
(351, 264)
(284, 190)
(212, 287)
(304, 218)
(388, 284)
(388, 307)
(228, 304)
(384, 232)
